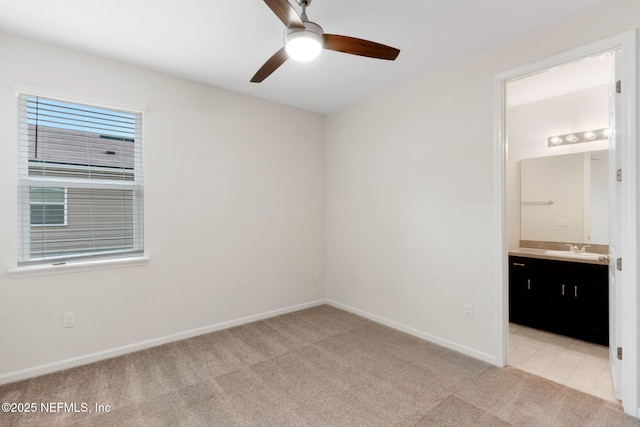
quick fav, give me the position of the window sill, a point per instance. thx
(72, 267)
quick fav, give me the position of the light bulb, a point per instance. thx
(302, 48)
(571, 138)
(304, 44)
(556, 140)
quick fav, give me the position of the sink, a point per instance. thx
(579, 255)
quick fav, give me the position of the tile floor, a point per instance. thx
(574, 363)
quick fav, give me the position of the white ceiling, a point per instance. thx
(224, 42)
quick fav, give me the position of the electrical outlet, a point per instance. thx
(69, 320)
(468, 311)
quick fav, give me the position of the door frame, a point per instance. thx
(626, 141)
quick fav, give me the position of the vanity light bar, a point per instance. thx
(578, 137)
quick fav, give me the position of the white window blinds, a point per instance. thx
(79, 182)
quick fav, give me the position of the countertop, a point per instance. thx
(540, 253)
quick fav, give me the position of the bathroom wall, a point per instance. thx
(529, 126)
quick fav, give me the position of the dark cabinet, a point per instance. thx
(568, 298)
(521, 302)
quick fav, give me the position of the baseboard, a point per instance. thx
(130, 348)
(417, 333)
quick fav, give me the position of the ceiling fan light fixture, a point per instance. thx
(304, 40)
(304, 45)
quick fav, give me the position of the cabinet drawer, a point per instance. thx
(519, 262)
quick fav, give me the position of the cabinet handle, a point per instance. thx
(575, 291)
(563, 289)
(528, 283)
(518, 264)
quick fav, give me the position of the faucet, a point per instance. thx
(573, 248)
(584, 249)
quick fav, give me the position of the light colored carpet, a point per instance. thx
(317, 367)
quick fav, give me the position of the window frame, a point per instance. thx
(64, 203)
(114, 257)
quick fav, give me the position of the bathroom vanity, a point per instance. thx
(564, 203)
(560, 295)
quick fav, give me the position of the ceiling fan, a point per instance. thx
(303, 40)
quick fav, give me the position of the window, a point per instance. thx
(79, 182)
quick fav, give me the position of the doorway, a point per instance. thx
(557, 195)
(623, 299)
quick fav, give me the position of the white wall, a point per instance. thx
(234, 213)
(411, 225)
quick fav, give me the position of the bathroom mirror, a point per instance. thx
(565, 198)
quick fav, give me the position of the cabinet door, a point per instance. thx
(521, 287)
(590, 309)
(552, 304)
(573, 300)
(558, 282)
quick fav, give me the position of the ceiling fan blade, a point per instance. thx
(285, 12)
(272, 64)
(360, 47)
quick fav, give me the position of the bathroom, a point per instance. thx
(558, 208)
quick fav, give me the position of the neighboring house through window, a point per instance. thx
(80, 182)
(48, 206)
